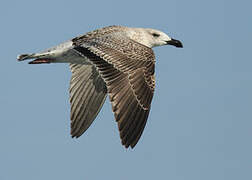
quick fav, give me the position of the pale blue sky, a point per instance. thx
(200, 124)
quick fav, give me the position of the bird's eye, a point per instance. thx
(155, 35)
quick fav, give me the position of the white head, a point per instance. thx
(152, 37)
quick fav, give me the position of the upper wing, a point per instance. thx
(87, 95)
(127, 68)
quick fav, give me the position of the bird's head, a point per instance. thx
(153, 38)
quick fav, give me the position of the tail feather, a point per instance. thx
(23, 57)
(40, 58)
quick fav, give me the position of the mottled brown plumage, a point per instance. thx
(87, 95)
(116, 60)
(127, 68)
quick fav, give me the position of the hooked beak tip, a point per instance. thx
(175, 43)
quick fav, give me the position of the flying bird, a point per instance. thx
(114, 60)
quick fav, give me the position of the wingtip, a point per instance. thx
(74, 136)
(127, 146)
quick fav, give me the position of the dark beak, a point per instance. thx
(175, 42)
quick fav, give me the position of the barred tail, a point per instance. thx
(39, 58)
(23, 57)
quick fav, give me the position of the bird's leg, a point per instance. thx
(40, 61)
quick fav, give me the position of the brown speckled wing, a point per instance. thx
(87, 95)
(97, 33)
(127, 68)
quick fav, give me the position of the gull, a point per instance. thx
(114, 60)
